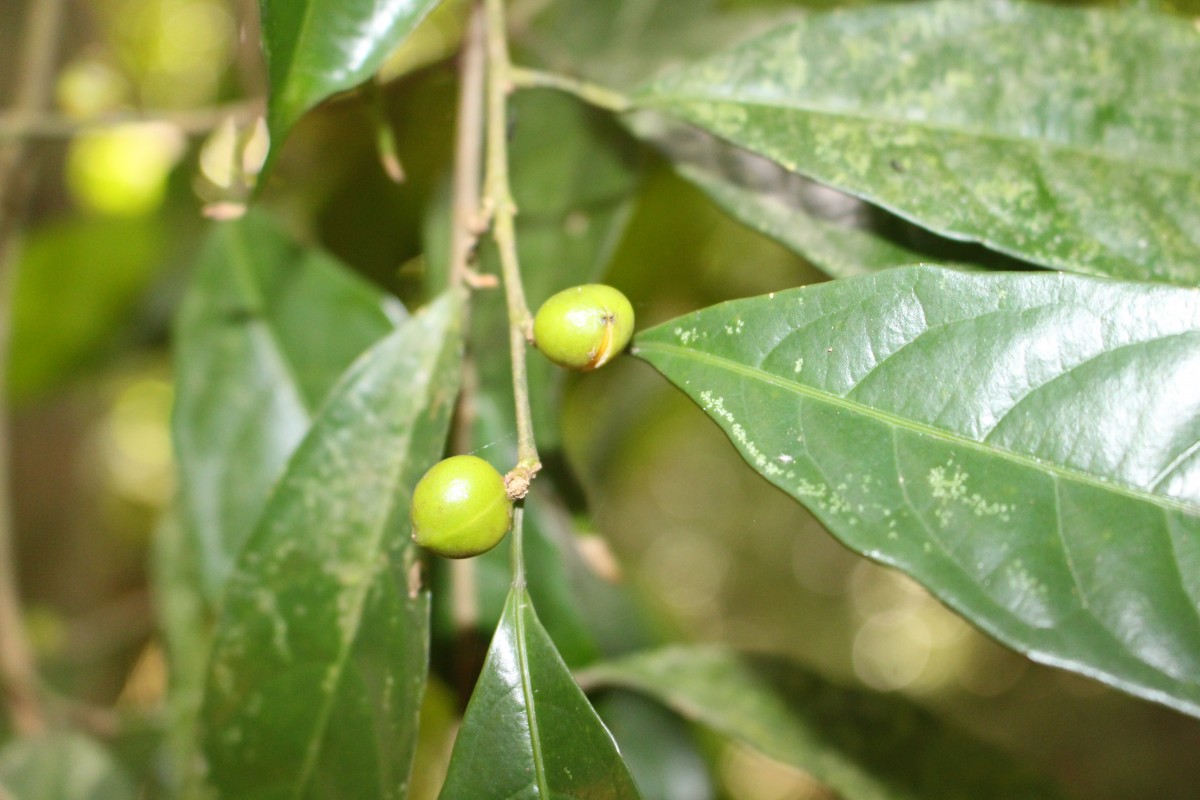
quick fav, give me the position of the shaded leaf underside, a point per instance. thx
(1063, 137)
(864, 745)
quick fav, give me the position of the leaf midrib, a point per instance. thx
(520, 603)
(914, 426)
(302, 35)
(261, 325)
(663, 101)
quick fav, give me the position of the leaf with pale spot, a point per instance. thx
(1065, 137)
(1027, 446)
(321, 652)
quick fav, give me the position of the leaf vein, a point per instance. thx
(665, 101)
(853, 406)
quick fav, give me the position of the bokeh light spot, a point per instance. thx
(123, 170)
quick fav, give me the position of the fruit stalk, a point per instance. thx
(598, 96)
(499, 204)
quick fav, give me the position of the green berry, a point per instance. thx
(584, 327)
(460, 508)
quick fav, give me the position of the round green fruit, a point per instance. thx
(460, 508)
(584, 327)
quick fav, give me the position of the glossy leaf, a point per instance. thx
(863, 745)
(800, 214)
(265, 330)
(1027, 446)
(1064, 137)
(315, 48)
(61, 766)
(528, 730)
(321, 652)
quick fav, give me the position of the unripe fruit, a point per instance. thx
(582, 328)
(460, 508)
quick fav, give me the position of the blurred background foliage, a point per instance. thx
(714, 551)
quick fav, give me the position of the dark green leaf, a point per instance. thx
(315, 48)
(659, 748)
(321, 652)
(61, 766)
(864, 745)
(76, 284)
(264, 332)
(1027, 446)
(1061, 136)
(789, 208)
(529, 731)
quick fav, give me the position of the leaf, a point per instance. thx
(1082, 157)
(61, 766)
(1027, 446)
(265, 330)
(528, 730)
(622, 42)
(863, 745)
(321, 652)
(556, 578)
(187, 626)
(77, 282)
(800, 214)
(316, 48)
(660, 748)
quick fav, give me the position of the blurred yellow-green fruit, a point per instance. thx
(460, 508)
(584, 327)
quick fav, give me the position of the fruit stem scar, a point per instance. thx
(603, 351)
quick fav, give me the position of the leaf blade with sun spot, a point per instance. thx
(325, 603)
(265, 330)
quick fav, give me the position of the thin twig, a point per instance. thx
(464, 235)
(385, 137)
(194, 122)
(34, 79)
(468, 149)
(599, 96)
(499, 202)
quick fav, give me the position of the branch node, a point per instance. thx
(519, 478)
